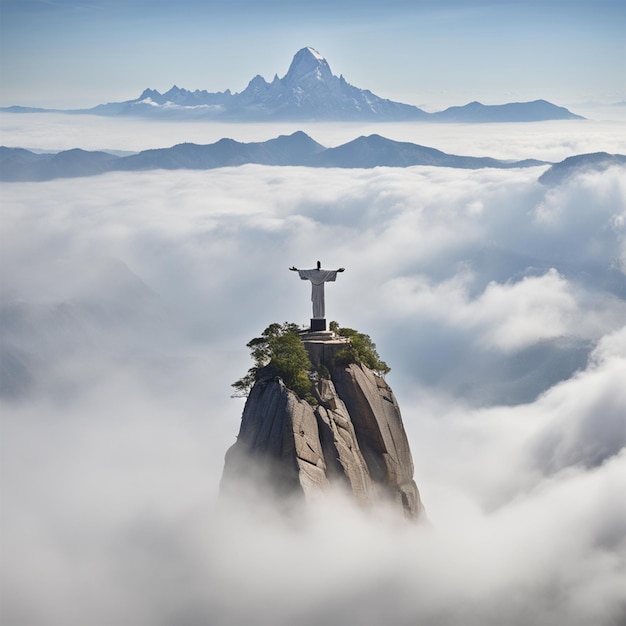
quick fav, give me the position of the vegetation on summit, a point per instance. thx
(360, 349)
(279, 351)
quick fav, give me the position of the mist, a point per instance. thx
(602, 130)
(498, 302)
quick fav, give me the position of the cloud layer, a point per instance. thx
(548, 141)
(498, 303)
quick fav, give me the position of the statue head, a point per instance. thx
(319, 265)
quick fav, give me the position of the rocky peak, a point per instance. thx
(149, 93)
(307, 64)
(353, 438)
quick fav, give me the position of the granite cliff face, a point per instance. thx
(353, 438)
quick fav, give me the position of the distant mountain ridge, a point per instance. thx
(297, 149)
(308, 91)
(537, 111)
(581, 163)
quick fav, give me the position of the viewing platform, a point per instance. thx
(322, 345)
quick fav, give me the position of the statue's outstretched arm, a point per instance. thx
(293, 268)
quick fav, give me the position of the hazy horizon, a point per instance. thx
(429, 54)
(548, 140)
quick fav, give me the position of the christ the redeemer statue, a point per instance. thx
(318, 277)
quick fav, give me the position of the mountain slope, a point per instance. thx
(377, 151)
(17, 164)
(536, 111)
(308, 91)
(594, 162)
(295, 149)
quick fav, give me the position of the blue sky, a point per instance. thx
(79, 53)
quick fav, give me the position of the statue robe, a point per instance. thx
(318, 278)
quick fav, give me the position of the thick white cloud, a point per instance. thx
(512, 315)
(498, 303)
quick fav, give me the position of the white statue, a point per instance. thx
(318, 277)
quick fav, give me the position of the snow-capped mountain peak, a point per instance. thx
(310, 91)
(307, 63)
(315, 53)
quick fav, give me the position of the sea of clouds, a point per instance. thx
(498, 302)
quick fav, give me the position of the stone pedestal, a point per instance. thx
(318, 324)
(322, 345)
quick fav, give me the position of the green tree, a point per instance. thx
(360, 349)
(279, 351)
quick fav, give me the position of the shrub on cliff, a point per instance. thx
(361, 349)
(278, 352)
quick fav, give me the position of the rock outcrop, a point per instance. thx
(353, 438)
